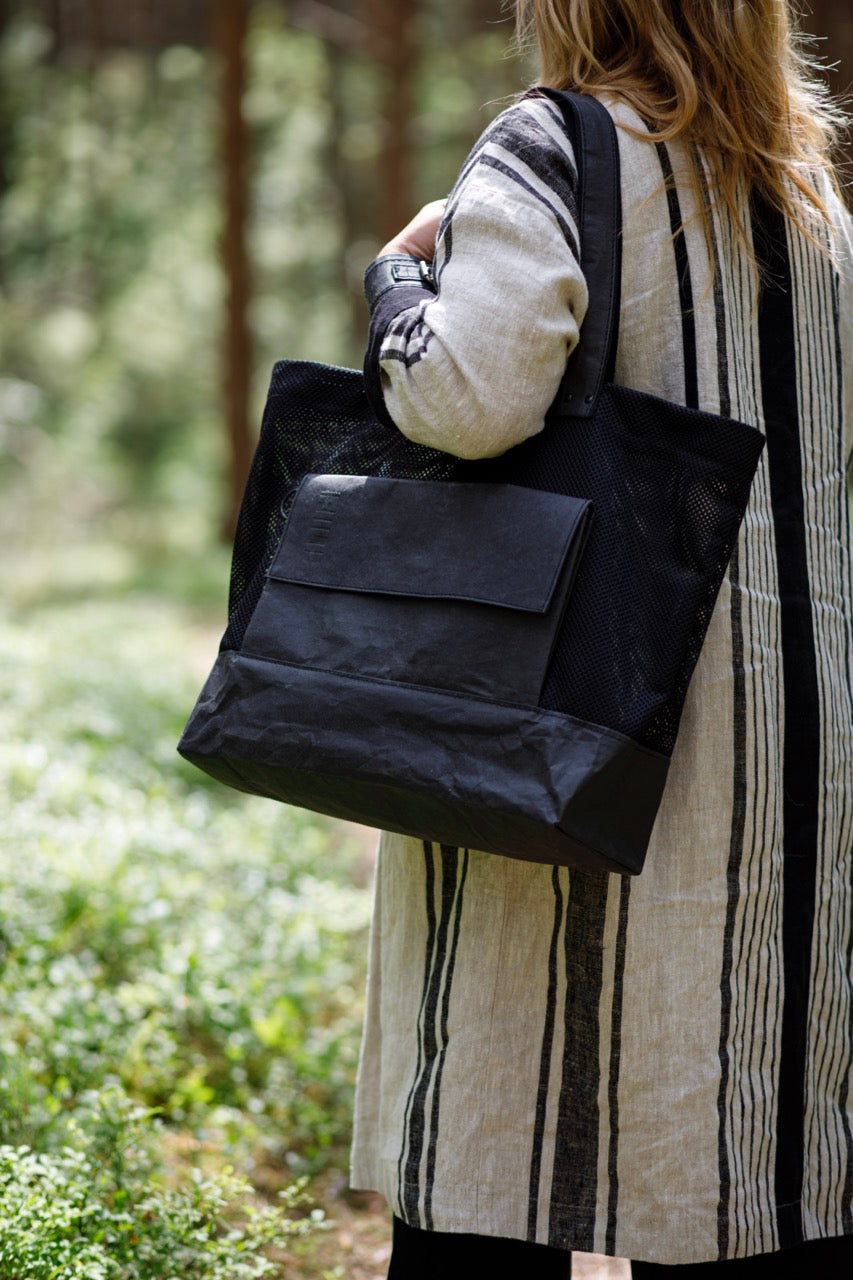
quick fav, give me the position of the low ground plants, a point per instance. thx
(193, 956)
(100, 1207)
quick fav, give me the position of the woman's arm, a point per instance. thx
(473, 367)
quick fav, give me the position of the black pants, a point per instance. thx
(439, 1255)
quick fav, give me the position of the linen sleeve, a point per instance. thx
(473, 368)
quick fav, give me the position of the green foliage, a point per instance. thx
(99, 1208)
(112, 290)
(111, 205)
(162, 940)
(108, 264)
(201, 948)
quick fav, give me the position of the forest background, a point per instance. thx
(189, 190)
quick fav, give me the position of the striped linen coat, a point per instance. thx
(657, 1068)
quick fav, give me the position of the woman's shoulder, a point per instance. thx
(532, 120)
(533, 132)
(527, 146)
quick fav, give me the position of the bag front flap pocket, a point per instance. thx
(451, 585)
(493, 544)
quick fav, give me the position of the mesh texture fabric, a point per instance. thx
(317, 418)
(669, 487)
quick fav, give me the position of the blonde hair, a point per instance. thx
(729, 75)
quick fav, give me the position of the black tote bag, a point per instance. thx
(492, 655)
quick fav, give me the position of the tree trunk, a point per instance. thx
(230, 28)
(349, 208)
(834, 23)
(392, 26)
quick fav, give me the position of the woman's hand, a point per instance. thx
(418, 237)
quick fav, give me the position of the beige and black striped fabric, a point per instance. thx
(657, 1068)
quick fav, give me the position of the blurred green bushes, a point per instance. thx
(181, 968)
(101, 1208)
(111, 289)
(110, 212)
(202, 950)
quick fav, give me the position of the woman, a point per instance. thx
(658, 1069)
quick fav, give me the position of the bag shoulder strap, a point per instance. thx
(593, 133)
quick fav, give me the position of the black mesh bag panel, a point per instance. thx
(668, 486)
(317, 418)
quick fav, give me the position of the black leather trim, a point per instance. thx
(530, 784)
(470, 600)
(495, 544)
